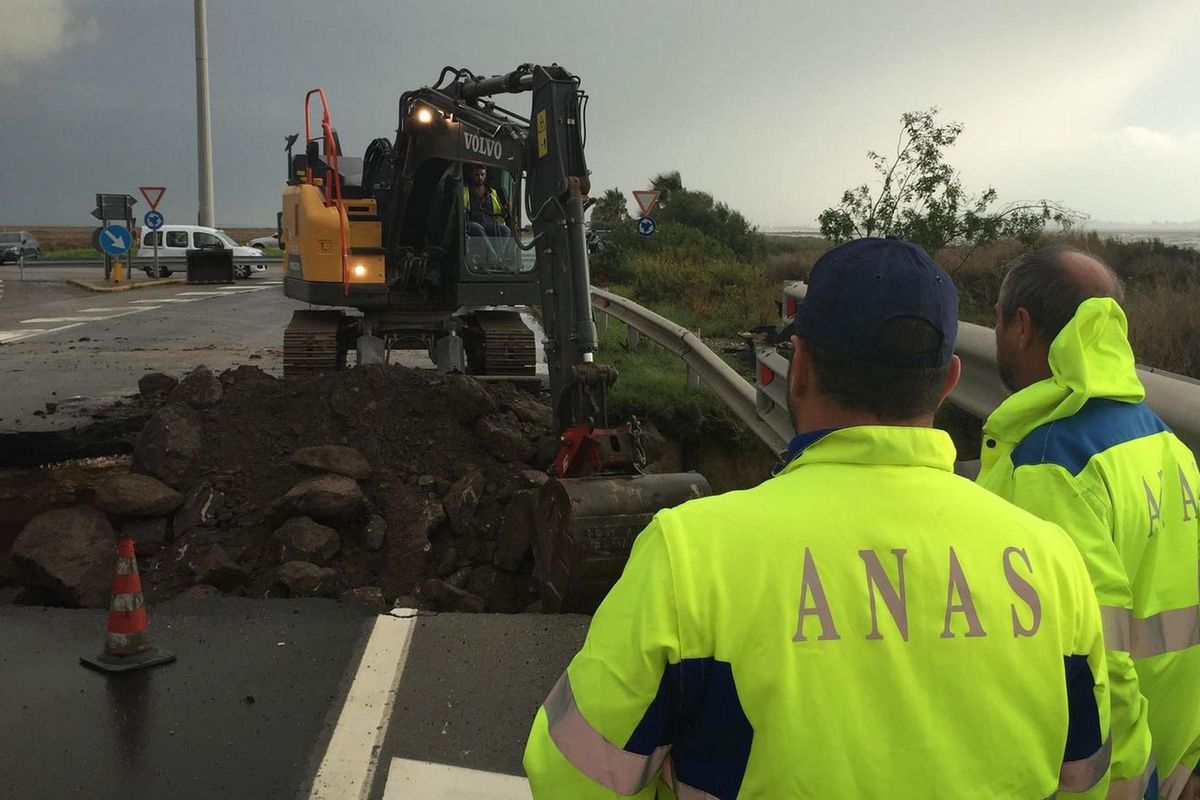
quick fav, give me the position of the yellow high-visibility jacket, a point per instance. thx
(864, 624)
(1082, 450)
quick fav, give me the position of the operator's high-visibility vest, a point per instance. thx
(1083, 450)
(497, 209)
(864, 624)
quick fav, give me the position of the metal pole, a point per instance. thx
(203, 129)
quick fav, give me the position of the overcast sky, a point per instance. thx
(771, 107)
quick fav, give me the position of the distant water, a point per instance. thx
(1181, 237)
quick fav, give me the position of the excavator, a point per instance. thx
(390, 236)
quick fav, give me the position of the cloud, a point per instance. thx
(1136, 141)
(34, 31)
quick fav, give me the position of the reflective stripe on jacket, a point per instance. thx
(864, 624)
(1082, 450)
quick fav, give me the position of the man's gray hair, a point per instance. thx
(1041, 284)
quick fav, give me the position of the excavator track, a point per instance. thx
(500, 343)
(310, 343)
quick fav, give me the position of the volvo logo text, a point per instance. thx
(481, 145)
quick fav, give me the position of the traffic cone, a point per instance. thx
(128, 646)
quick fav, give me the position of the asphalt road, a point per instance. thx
(76, 349)
(277, 699)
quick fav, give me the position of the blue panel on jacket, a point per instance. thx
(1100, 425)
(698, 713)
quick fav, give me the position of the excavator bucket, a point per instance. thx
(584, 529)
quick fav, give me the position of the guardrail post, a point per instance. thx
(635, 337)
(602, 321)
(693, 379)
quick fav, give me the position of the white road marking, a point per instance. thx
(348, 766)
(44, 320)
(422, 780)
(167, 300)
(39, 331)
(200, 294)
(12, 336)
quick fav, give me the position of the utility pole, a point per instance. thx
(203, 128)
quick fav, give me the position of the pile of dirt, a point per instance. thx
(379, 484)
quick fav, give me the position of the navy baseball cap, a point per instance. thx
(857, 287)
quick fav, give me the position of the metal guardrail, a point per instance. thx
(137, 262)
(703, 364)
(1175, 398)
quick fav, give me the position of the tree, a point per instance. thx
(610, 209)
(680, 206)
(920, 198)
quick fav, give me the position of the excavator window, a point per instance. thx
(488, 222)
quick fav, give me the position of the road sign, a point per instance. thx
(96, 240)
(153, 195)
(154, 220)
(113, 206)
(115, 240)
(646, 198)
(646, 226)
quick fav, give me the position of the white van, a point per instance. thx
(175, 240)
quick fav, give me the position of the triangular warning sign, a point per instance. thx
(153, 195)
(646, 198)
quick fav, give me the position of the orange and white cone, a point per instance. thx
(127, 646)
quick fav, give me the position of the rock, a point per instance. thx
(201, 591)
(334, 458)
(445, 597)
(301, 539)
(366, 597)
(199, 509)
(533, 478)
(425, 481)
(500, 590)
(149, 535)
(326, 498)
(199, 389)
(534, 608)
(71, 552)
(547, 450)
(407, 601)
(217, 568)
(134, 495)
(155, 384)
(516, 534)
(166, 446)
(302, 579)
(467, 399)
(531, 410)
(459, 579)
(375, 533)
(446, 563)
(462, 499)
(501, 434)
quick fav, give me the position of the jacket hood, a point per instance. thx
(1089, 358)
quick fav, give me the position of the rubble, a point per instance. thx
(303, 579)
(198, 389)
(166, 446)
(135, 495)
(375, 484)
(302, 539)
(334, 458)
(71, 552)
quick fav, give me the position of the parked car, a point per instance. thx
(14, 244)
(265, 242)
(175, 240)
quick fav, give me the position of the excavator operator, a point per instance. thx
(485, 212)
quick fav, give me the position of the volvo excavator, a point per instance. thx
(388, 235)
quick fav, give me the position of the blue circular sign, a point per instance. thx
(646, 226)
(154, 220)
(115, 240)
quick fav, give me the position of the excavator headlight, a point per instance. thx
(424, 115)
(360, 270)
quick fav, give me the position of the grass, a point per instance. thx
(653, 385)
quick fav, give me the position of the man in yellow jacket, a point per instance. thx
(865, 624)
(1075, 444)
